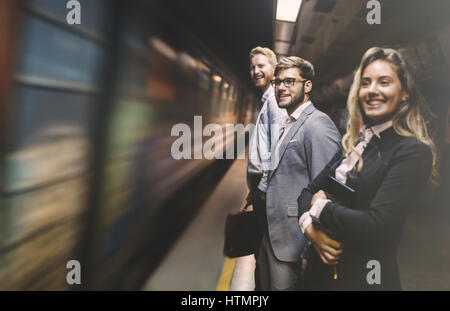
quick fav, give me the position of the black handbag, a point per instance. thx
(242, 233)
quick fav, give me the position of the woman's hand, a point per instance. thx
(319, 194)
(329, 250)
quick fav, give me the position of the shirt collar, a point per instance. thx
(269, 92)
(377, 129)
(296, 114)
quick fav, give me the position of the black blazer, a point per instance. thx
(395, 170)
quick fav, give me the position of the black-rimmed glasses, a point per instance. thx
(288, 82)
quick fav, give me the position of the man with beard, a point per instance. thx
(309, 139)
(262, 141)
(267, 131)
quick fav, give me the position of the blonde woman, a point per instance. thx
(354, 210)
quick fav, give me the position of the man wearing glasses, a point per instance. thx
(309, 139)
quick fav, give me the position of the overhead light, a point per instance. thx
(217, 78)
(287, 10)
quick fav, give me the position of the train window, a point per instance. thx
(58, 54)
(133, 77)
(215, 95)
(232, 99)
(194, 71)
(203, 75)
(160, 90)
(38, 111)
(134, 47)
(231, 93)
(225, 91)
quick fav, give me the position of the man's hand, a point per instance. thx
(262, 195)
(319, 194)
(248, 205)
(329, 250)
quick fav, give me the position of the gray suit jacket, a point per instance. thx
(306, 149)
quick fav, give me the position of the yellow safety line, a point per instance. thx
(228, 267)
(227, 274)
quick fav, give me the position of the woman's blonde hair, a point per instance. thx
(408, 119)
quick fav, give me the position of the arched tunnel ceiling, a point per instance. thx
(334, 41)
(332, 34)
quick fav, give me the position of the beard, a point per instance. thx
(294, 100)
(261, 83)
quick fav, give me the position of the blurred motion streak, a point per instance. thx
(86, 114)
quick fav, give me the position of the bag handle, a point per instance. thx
(246, 203)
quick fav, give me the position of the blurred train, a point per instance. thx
(87, 112)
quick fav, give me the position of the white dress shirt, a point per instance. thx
(264, 138)
(288, 123)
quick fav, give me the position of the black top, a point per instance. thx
(395, 170)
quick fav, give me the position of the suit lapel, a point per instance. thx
(292, 131)
(372, 160)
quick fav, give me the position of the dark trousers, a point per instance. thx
(259, 207)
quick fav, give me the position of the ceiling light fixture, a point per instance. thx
(287, 10)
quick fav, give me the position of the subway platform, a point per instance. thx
(196, 261)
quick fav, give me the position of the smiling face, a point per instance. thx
(290, 98)
(261, 71)
(380, 92)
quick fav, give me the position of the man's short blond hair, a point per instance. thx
(266, 52)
